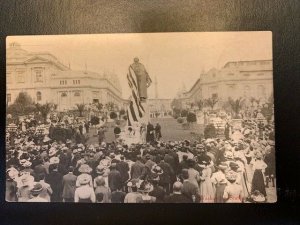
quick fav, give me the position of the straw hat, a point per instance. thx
(84, 179)
(222, 166)
(157, 170)
(231, 175)
(84, 168)
(145, 187)
(37, 189)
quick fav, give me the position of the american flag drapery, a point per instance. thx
(135, 110)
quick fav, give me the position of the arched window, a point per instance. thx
(77, 94)
(38, 96)
(64, 94)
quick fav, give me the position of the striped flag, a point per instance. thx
(135, 110)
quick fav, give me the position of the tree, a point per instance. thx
(95, 120)
(22, 105)
(200, 104)
(44, 110)
(99, 106)
(236, 105)
(211, 102)
(80, 108)
(110, 106)
(176, 103)
(113, 115)
(191, 117)
(184, 113)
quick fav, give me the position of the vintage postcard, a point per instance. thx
(140, 118)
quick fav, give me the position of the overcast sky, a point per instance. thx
(175, 59)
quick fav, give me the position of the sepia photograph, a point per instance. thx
(140, 118)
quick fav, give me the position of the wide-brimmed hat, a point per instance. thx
(222, 166)
(68, 141)
(100, 169)
(84, 168)
(228, 154)
(54, 160)
(231, 175)
(258, 197)
(134, 183)
(46, 139)
(233, 165)
(84, 179)
(37, 188)
(157, 170)
(145, 187)
(105, 162)
(200, 147)
(271, 142)
(52, 152)
(12, 172)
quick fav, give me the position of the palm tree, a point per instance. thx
(211, 102)
(44, 110)
(80, 108)
(236, 105)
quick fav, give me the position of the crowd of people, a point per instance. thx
(231, 170)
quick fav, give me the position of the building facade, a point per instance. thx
(245, 79)
(46, 79)
(159, 107)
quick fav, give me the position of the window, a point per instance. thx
(214, 95)
(38, 96)
(20, 77)
(246, 74)
(77, 94)
(260, 74)
(8, 77)
(64, 94)
(8, 97)
(230, 74)
(76, 81)
(63, 82)
(38, 76)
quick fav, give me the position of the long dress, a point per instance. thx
(258, 181)
(207, 192)
(220, 182)
(233, 193)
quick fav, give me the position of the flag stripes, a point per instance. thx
(135, 110)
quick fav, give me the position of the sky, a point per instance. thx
(175, 60)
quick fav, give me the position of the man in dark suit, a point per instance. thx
(114, 178)
(55, 178)
(69, 186)
(189, 189)
(138, 169)
(166, 177)
(177, 196)
(123, 168)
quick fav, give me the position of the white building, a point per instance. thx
(246, 79)
(46, 79)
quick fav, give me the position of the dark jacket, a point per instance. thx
(189, 189)
(123, 168)
(114, 180)
(69, 185)
(138, 170)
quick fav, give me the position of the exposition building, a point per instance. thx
(246, 79)
(46, 79)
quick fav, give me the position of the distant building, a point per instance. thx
(46, 79)
(246, 79)
(159, 107)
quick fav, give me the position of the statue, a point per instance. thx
(142, 77)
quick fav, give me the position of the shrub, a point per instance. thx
(95, 120)
(180, 120)
(113, 115)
